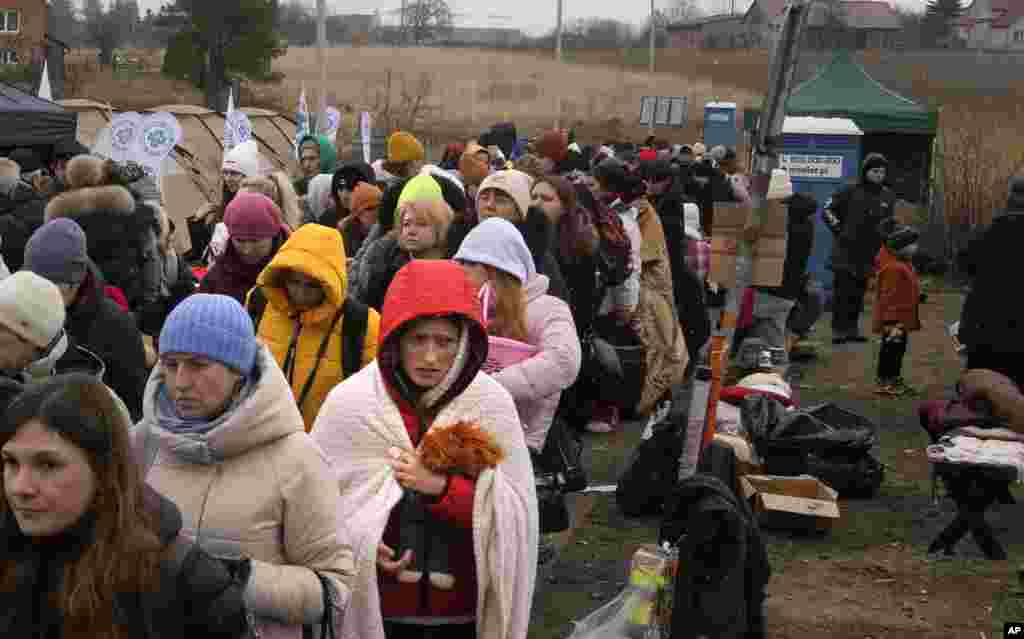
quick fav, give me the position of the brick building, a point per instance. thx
(23, 26)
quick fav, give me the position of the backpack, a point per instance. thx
(651, 470)
(355, 317)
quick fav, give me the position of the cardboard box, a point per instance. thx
(769, 250)
(791, 503)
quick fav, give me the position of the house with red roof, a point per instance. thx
(852, 24)
(992, 24)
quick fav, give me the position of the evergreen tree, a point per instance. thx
(220, 39)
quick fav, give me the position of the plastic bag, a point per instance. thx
(643, 609)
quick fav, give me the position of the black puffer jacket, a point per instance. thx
(861, 211)
(21, 213)
(722, 591)
(121, 237)
(198, 596)
(98, 324)
(988, 322)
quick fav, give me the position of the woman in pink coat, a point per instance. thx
(494, 254)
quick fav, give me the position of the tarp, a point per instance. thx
(844, 89)
(26, 120)
(194, 178)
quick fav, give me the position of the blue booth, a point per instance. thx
(720, 124)
(822, 156)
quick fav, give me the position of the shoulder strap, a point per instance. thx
(353, 335)
(257, 304)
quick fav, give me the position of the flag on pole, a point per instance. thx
(44, 85)
(229, 132)
(302, 124)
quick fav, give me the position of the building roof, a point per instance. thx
(770, 8)
(871, 14)
(1004, 14)
(697, 24)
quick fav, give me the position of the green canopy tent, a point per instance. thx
(893, 125)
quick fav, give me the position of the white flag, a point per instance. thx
(44, 85)
(229, 133)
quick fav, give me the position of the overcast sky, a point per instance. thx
(533, 16)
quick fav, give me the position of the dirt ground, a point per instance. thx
(867, 577)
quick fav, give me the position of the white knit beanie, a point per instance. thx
(32, 308)
(244, 159)
(498, 243)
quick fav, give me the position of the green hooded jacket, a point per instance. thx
(328, 160)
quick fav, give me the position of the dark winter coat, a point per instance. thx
(382, 260)
(540, 239)
(722, 591)
(990, 321)
(121, 237)
(198, 596)
(687, 289)
(799, 244)
(234, 277)
(98, 324)
(861, 211)
(21, 213)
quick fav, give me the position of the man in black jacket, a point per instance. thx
(21, 212)
(855, 216)
(57, 251)
(990, 327)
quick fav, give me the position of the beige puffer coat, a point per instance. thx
(268, 495)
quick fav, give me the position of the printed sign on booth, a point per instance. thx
(812, 166)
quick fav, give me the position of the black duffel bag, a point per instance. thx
(614, 362)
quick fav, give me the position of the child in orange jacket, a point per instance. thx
(897, 298)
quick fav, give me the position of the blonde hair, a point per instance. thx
(509, 318)
(437, 213)
(278, 188)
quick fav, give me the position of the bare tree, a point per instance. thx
(684, 11)
(105, 29)
(426, 20)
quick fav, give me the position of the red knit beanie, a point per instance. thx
(648, 155)
(253, 216)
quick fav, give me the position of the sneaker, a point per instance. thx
(902, 389)
(885, 387)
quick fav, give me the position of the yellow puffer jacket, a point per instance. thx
(316, 251)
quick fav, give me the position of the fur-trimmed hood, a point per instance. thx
(80, 203)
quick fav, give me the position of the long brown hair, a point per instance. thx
(509, 318)
(124, 553)
(573, 226)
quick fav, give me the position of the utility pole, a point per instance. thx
(558, 32)
(653, 28)
(321, 43)
(766, 140)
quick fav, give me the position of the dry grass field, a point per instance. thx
(467, 89)
(446, 94)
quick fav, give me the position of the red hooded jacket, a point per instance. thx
(421, 289)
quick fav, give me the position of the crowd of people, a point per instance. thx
(317, 414)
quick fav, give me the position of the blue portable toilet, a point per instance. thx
(720, 124)
(822, 156)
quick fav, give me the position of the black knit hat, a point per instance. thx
(388, 204)
(351, 174)
(874, 161)
(704, 169)
(655, 170)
